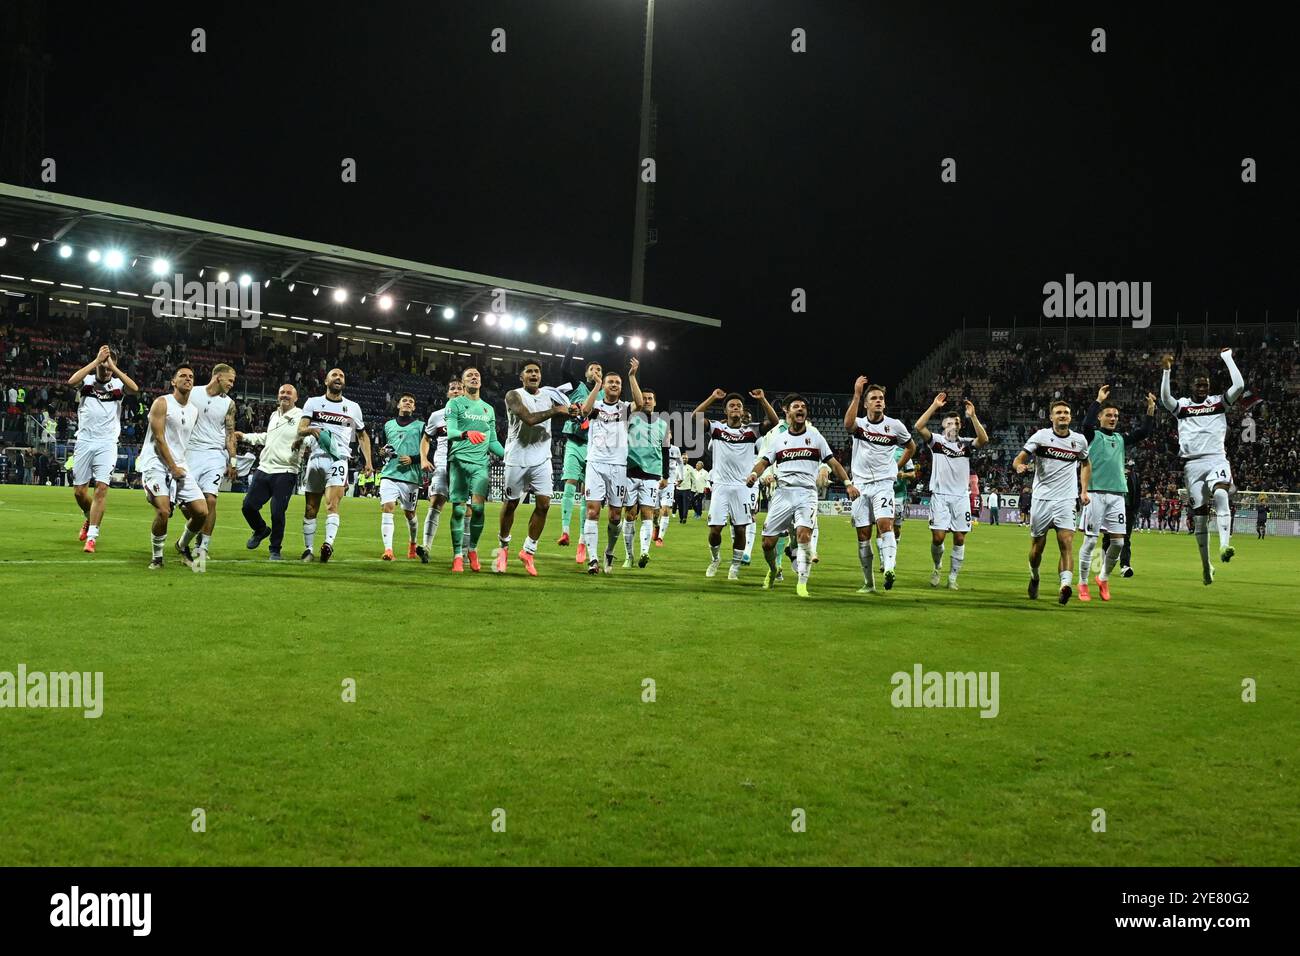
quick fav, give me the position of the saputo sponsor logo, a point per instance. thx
(922, 688)
(1060, 454)
(875, 438)
(53, 689)
(76, 908)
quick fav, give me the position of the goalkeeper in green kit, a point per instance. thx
(399, 482)
(471, 435)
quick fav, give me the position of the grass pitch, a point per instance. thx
(479, 692)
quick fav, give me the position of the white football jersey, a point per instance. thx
(950, 465)
(873, 448)
(675, 464)
(210, 428)
(176, 432)
(343, 418)
(99, 411)
(797, 458)
(607, 434)
(781, 427)
(1056, 464)
(1202, 426)
(528, 445)
(436, 428)
(734, 451)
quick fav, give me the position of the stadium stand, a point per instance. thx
(1014, 381)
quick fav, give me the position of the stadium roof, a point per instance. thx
(37, 216)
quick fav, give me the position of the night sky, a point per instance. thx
(775, 169)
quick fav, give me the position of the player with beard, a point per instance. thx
(1202, 425)
(399, 481)
(796, 455)
(647, 462)
(164, 472)
(529, 411)
(1108, 485)
(1061, 476)
(101, 385)
(949, 481)
(734, 444)
(606, 478)
(333, 421)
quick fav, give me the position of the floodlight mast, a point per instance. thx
(640, 223)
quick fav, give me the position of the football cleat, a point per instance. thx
(499, 565)
(952, 585)
(186, 557)
(529, 564)
(90, 546)
(326, 552)
(712, 569)
(1126, 572)
(473, 562)
(1227, 553)
(200, 562)
(85, 530)
(1066, 591)
(733, 574)
(308, 557)
(458, 564)
(801, 589)
(387, 555)
(1084, 595)
(659, 542)
(609, 562)
(779, 576)
(643, 560)
(889, 580)
(1103, 588)
(1033, 588)
(627, 563)
(423, 555)
(867, 589)
(563, 541)
(412, 551)
(745, 560)
(274, 556)
(593, 566)
(581, 556)
(1207, 574)
(767, 580)
(156, 564)
(815, 557)
(256, 539)
(934, 578)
